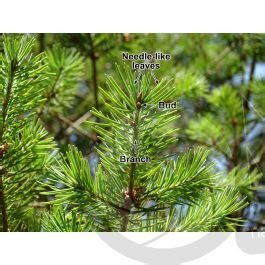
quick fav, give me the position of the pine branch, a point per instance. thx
(25, 150)
(8, 90)
(58, 221)
(64, 70)
(134, 196)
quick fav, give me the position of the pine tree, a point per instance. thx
(224, 129)
(139, 183)
(24, 147)
(161, 192)
(63, 73)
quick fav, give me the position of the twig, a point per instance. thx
(93, 58)
(129, 195)
(78, 129)
(78, 122)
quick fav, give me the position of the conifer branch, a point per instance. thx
(8, 92)
(136, 183)
(151, 195)
(25, 152)
(64, 71)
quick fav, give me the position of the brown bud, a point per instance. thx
(128, 194)
(138, 104)
(3, 149)
(138, 192)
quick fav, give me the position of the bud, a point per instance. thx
(3, 149)
(138, 104)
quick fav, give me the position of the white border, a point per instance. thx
(119, 16)
(87, 248)
(132, 16)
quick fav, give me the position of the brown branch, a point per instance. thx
(134, 152)
(78, 122)
(78, 129)
(130, 194)
(238, 140)
(93, 59)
